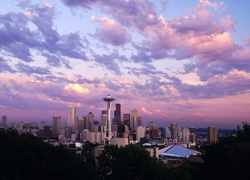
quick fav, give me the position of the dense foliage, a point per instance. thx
(230, 157)
(27, 157)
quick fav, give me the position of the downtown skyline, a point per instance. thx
(174, 61)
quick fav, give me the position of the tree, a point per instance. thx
(28, 157)
(230, 157)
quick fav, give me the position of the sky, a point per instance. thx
(172, 60)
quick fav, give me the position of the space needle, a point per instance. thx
(108, 99)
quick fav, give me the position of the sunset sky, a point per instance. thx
(172, 60)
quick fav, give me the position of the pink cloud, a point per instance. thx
(228, 22)
(111, 32)
(145, 111)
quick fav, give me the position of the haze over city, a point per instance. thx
(174, 61)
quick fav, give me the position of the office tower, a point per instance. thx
(134, 120)
(108, 99)
(179, 134)
(140, 133)
(103, 121)
(80, 124)
(139, 121)
(90, 115)
(85, 135)
(212, 134)
(42, 124)
(68, 132)
(192, 138)
(117, 114)
(4, 121)
(90, 121)
(56, 126)
(126, 120)
(154, 133)
(166, 132)
(185, 135)
(151, 125)
(72, 118)
(47, 132)
(174, 130)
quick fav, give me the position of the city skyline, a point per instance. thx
(173, 61)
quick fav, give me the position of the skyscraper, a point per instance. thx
(90, 120)
(56, 126)
(72, 117)
(212, 134)
(117, 114)
(126, 120)
(4, 121)
(134, 120)
(185, 135)
(174, 130)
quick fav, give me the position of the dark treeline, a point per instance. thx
(27, 157)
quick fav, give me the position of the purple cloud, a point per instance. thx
(110, 32)
(31, 70)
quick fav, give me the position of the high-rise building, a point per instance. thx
(56, 126)
(117, 114)
(4, 121)
(166, 132)
(90, 120)
(80, 124)
(126, 120)
(103, 121)
(151, 125)
(174, 130)
(139, 121)
(185, 135)
(212, 134)
(140, 132)
(42, 124)
(47, 132)
(72, 118)
(134, 120)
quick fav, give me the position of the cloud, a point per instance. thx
(85, 4)
(76, 88)
(110, 32)
(4, 67)
(145, 111)
(26, 69)
(233, 83)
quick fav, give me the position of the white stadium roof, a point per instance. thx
(177, 150)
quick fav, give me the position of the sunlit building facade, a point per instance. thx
(72, 118)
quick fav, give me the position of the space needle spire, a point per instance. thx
(108, 99)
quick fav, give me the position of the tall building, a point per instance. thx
(140, 133)
(151, 125)
(80, 124)
(212, 134)
(117, 114)
(185, 135)
(56, 126)
(103, 121)
(90, 121)
(134, 120)
(126, 120)
(72, 118)
(4, 121)
(139, 121)
(174, 130)
(166, 133)
(42, 124)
